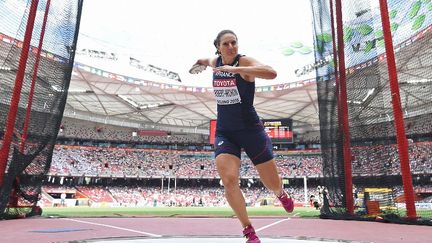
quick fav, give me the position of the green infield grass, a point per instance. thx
(172, 212)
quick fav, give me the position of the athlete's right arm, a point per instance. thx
(210, 62)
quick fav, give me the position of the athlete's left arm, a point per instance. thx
(249, 69)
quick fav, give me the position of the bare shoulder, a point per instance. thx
(248, 61)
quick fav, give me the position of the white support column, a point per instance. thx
(175, 190)
(162, 179)
(305, 190)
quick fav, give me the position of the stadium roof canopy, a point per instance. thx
(100, 95)
(148, 38)
(103, 96)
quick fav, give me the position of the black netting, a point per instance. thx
(376, 170)
(28, 157)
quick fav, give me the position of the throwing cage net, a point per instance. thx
(374, 85)
(37, 44)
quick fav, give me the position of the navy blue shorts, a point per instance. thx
(256, 144)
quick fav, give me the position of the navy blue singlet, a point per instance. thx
(234, 97)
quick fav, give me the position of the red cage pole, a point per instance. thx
(13, 109)
(14, 196)
(397, 113)
(33, 82)
(343, 101)
(337, 82)
(335, 62)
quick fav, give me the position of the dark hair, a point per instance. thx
(216, 42)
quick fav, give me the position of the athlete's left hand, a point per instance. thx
(225, 68)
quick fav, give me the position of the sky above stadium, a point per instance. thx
(172, 34)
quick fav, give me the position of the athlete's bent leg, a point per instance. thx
(270, 178)
(269, 175)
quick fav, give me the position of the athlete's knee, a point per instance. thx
(230, 181)
(228, 167)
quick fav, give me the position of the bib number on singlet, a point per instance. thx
(226, 91)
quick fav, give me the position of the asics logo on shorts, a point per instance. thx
(220, 143)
